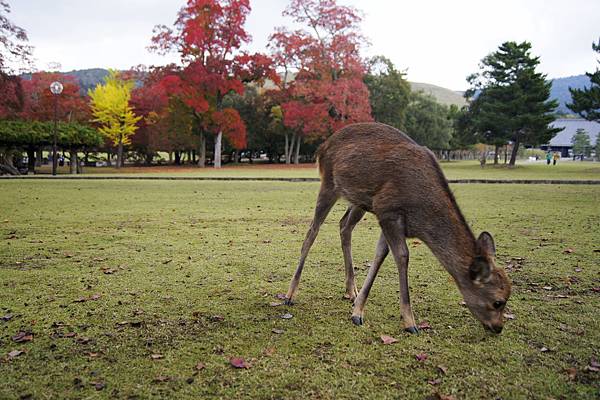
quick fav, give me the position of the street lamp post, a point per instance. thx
(56, 88)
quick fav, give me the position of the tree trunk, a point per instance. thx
(108, 159)
(120, 153)
(513, 156)
(31, 160)
(297, 157)
(194, 156)
(80, 164)
(496, 154)
(202, 150)
(177, 157)
(217, 156)
(287, 149)
(38, 158)
(505, 153)
(74, 162)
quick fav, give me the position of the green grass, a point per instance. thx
(197, 264)
(453, 170)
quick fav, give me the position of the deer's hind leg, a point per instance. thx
(348, 222)
(325, 202)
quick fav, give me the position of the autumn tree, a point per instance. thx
(586, 102)
(150, 101)
(209, 36)
(328, 91)
(516, 98)
(15, 54)
(112, 111)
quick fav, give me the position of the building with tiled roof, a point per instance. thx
(562, 141)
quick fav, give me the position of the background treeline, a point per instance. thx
(223, 104)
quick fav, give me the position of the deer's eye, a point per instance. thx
(499, 304)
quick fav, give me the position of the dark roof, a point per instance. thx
(563, 138)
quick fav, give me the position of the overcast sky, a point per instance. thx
(436, 41)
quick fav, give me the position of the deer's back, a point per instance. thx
(379, 168)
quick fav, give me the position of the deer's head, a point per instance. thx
(488, 288)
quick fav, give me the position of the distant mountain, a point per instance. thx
(88, 78)
(560, 90)
(442, 95)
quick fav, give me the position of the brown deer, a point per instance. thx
(379, 169)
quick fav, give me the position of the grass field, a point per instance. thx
(147, 289)
(453, 170)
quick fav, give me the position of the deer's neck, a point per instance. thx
(452, 242)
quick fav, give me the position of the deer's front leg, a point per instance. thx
(394, 233)
(352, 217)
(359, 304)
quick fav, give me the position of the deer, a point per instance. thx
(380, 170)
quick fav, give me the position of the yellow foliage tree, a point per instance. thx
(111, 109)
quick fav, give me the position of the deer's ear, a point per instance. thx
(485, 244)
(480, 270)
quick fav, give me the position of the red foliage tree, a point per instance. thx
(150, 101)
(39, 101)
(328, 91)
(11, 95)
(208, 35)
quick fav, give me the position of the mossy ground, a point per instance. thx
(187, 271)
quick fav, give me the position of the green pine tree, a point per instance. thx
(586, 102)
(581, 143)
(513, 99)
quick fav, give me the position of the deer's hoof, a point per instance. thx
(288, 302)
(350, 297)
(357, 320)
(412, 329)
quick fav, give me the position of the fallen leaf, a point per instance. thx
(424, 326)
(434, 382)
(287, 316)
(596, 289)
(70, 334)
(509, 316)
(275, 304)
(421, 357)
(166, 262)
(269, 351)
(157, 356)
(544, 349)
(443, 369)
(547, 287)
(594, 366)
(568, 250)
(277, 331)
(22, 337)
(238, 362)
(108, 271)
(98, 385)
(572, 373)
(280, 296)
(216, 318)
(385, 339)
(161, 379)
(200, 366)
(15, 353)
(7, 317)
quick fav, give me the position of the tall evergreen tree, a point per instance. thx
(586, 102)
(513, 99)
